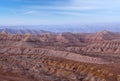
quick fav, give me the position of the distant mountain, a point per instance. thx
(23, 31)
(86, 28)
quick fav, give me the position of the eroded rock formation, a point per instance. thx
(60, 57)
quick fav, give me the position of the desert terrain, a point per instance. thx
(60, 56)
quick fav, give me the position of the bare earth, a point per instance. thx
(60, 57)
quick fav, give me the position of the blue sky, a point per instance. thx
(37, 12)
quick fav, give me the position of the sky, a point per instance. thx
(40, 12)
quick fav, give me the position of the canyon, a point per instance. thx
(60, 56)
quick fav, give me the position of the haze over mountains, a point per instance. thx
(85, 28)
(23, 31)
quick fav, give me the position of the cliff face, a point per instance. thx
(60, 57)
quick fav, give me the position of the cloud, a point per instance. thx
(78, 6)
(29, 12)
(72, 8)
(59, 10)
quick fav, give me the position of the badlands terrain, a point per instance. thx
(60, 57)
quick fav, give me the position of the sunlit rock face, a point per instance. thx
(60, 57)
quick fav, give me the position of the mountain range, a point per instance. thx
(23, 31)
(84, 28)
